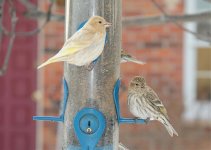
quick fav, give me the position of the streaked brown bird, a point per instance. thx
(144, 103)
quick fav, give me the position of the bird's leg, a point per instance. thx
(90, 66)
(147, 120)
(136, 119)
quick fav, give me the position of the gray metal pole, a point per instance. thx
(94, 88)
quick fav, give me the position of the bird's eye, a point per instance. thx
(100, 21)
(136, 84)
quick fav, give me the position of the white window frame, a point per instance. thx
(193, 109)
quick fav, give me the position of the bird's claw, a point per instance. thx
(136, 119)
(90, 66)
(147, 120)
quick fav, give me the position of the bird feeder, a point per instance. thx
(91, 112)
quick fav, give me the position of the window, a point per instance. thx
(203, 74)
(197, 66)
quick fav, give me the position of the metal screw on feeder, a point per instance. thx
(89, 130)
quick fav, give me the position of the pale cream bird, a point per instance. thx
(85, 45)
(144, 103)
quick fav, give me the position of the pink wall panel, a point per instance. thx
(17, 129)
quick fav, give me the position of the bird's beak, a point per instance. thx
(107, 24)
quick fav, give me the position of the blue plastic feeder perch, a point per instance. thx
(120, 119)
(56, 118)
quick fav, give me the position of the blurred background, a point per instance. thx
(178, 68)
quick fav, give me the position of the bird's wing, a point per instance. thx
(80, 40)
(153, 98)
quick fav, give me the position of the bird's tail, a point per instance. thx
(137, 61)
(49, 61)
(122, 147)
(168, 126)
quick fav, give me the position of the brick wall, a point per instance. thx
(161, 47)
(53, 36)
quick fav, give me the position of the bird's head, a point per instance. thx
(98, 23)
(138, 82)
